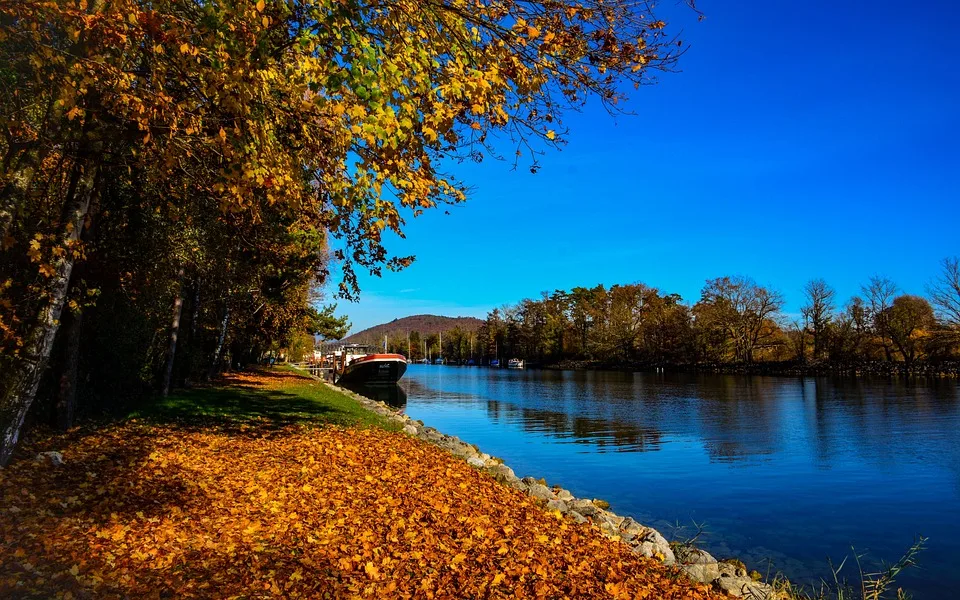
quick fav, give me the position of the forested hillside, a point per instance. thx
(423, 324)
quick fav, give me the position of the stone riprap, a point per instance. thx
(726, 576)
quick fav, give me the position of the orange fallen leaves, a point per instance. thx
(163, 512)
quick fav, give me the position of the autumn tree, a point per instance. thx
(879, 293)
(849, 330)
(909, 322)
(818, 313)
(330, 117)
(744, 312)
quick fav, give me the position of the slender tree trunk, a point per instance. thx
(18, 386)
(174, 333)
(215, 366)
(67, 392)
(186, 371)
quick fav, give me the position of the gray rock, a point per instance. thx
(609, 529)
(744, 587)
(53, 459)
(577, 516)
(631, 527)
(410, 429)
(458, 448)
(731, 569)
(613, 519)
(501, 472)
(702, 572)
(584, 507)
(538, 490)
(557, 505)
(430, 434)
(654, 545)
(519, 485)
(475, 461)
(689, 555)
(564, 495)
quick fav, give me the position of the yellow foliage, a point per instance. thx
(139, 510)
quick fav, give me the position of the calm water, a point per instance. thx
(781, 470)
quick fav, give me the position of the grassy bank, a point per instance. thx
(277, 486)
(268, 397)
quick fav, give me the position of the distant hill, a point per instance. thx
(425, 324)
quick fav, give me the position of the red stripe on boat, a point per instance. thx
(379, 356)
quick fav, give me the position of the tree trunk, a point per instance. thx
(67, 392)
(174, 332)
(18, 385)
(215, 366)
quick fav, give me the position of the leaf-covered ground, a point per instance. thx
(261, 507)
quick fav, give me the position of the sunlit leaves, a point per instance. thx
(140, 510)
(340, 113)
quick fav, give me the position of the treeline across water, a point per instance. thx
(735, 322)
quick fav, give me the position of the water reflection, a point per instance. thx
(794, 469)
(393, 396)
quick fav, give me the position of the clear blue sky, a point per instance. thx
(800, 140)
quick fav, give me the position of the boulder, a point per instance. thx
(538, 490)
(691, 555)
(577, 516)
(651, 550)
(458, 448)
(474, 461)
(557, 505)
(744, 587)
(698, 564)
(584, 507)
(502, 473)
(410, 429)
(52, 459)
(631, 527)
(430, 434)
(614, 519)
(564, 495)
(702, 572)
(653, 545)
(732, 568)
(519, 485)
(609, 529)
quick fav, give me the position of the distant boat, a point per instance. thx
(439, 361)
(471, 362)
(362, 365)
(514, 363)
(494, 362)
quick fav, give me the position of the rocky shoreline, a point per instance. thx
(729, 576)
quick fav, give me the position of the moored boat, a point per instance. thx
(515, 363)
(361, 365)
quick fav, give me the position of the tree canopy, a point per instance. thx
(181, 174)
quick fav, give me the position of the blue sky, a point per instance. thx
(798, 141)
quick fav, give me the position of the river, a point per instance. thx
(783, 472)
